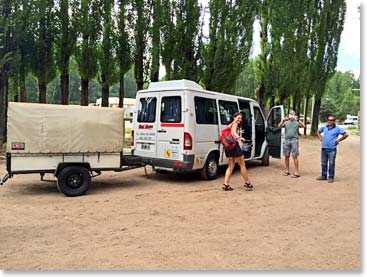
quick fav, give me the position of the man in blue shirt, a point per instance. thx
(329, 141)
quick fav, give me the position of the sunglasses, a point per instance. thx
(331, 120)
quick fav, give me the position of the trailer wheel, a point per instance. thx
(210, 169)
(73, 180)
(265, 158)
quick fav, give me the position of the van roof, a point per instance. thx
(174, 84)
(184, 85)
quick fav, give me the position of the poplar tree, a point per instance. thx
(65, 43)
(106, 53)
(141, 9)
(156, 17)
(230, 41)
(42, 60)
(168, 35)
(186, 63)
(123, 48)
(86, 49)
(6, 50)
(329, 17)
(20, 65)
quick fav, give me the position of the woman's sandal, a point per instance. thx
(248, 186)
(227, 187)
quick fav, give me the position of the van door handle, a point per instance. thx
(162, 131)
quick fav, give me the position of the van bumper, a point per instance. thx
(176, 165)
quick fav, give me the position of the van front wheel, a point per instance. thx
(210, 169)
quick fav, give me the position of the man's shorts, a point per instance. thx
(290, 146)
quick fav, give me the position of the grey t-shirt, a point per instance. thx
(291, 129)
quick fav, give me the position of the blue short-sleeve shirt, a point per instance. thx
(331, 136)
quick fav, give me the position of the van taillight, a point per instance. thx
(132, 137)
(187, 141)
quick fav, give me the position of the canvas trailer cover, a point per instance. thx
(45, 128)
(73, 143)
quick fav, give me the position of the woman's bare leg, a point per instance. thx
(241, 162)
(229, 170)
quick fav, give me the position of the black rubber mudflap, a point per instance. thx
(132, 160)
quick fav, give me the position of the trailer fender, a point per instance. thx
(61, 166)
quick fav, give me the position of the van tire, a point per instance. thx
(73, 180)
(211, 167)
(265, 158)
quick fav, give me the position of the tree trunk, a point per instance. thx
(168, 72)
(305, 116)
(105, 94)
(42, 91)
(259, 96)
(84, 93)
(4, 89)
(121, 91)
(315, 117)
(64, 82)
(23, 90)
(272, 101)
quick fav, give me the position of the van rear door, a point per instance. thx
(170, 128)
(275, 135)
(146, 125)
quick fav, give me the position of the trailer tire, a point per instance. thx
(73, 180)
(265, 158)
(211, 167)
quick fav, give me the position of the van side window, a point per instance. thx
(227, 109)
(275, 117)
(205, 111)
(171, 109)
(147, 109)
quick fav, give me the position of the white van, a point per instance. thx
(176, 126)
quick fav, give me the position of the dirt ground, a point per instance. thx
(180, 222)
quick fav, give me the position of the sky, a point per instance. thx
(349, 47)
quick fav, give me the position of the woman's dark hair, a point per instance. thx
(237, 114)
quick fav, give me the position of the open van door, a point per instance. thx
(275, 135)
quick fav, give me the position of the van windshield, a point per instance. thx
(147, 109)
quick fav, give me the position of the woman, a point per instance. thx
(236, 156)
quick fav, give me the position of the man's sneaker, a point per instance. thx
(330, 180)
(321, 178)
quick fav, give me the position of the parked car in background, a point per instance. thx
(351, 120)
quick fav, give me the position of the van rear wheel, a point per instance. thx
(210, 169)
(73, 180)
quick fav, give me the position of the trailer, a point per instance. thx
(73, 143)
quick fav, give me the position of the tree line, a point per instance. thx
(211, 45)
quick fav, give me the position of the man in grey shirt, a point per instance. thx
(290, 144)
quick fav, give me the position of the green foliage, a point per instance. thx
(141, 10)
(339, 93)
(88, 27)
(246, 83)
(186, 61)
(230, 40)
(106, 55)
(168, 35)
(43, 29)
(155, 34)
(123, 47)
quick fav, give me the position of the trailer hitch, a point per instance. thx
(5, 178)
